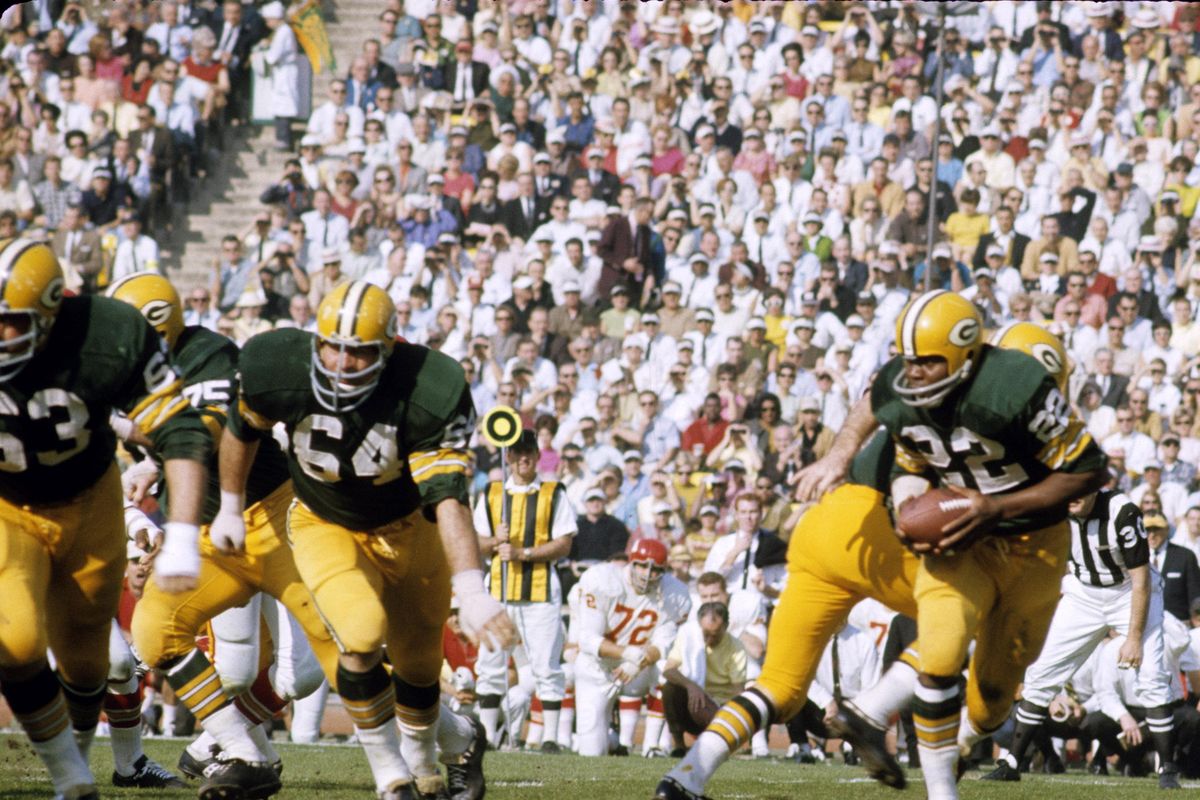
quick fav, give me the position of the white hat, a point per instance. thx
(991, 130)
(272, 10)
(356, 146)
(756, 324)
(671, 287)
(1049, 256)
(523, 282)
(855, 321)
(631, 455)
(541, 158)
(1098, 9)
(941, 250)
(663, 507)
(666, 25)
(571, 286)
(330, 256)
(633, 341)
(310, 140)
(1150, 244)
(996, 250)
(1147, 19)
(810, 30)
(593, 494)
(1037, 144)
(704, 22)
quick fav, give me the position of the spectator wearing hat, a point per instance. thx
(1004, 236)
(1176, 565)
(282, 56)
(104, 199)
(136, 252)
(947, 272)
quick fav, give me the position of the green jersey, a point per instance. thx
(405, 447)
(872, 466)
(101, 355)
(1008, 428)
(207, 363)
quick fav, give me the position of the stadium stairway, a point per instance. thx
(227, 200)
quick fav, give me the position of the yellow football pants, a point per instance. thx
(1002, 593)
(387, 586)
(61, 568)
(842, 550)
(165, 625)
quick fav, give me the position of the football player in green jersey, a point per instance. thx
(381, 530)
(65, 365)
(986, 423)
(165, 626)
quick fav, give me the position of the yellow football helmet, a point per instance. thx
(354, 315)
(31, 284)
(1040, 343)
(943, 324)
(156, 298)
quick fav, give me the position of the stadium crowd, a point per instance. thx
(675, 237)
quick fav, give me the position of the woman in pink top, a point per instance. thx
(794, 84)
(754, 157)
(665, 158)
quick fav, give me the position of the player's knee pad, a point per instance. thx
(300, 679)
(121, 662)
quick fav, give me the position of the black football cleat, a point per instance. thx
(669, 789)
(148, 774)
(1004, 771)
(239, 780)
(465, 780)
(869, 743)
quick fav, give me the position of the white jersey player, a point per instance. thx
(625, 622)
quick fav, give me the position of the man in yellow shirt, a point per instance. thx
(705, 669)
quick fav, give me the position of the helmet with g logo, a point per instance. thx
(31, 285)
(943, 324)
(156, 299)
(354, 315)
(1040, 343)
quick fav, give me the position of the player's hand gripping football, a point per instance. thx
(976, 521)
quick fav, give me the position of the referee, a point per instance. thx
(1109, 585)
(525, 526)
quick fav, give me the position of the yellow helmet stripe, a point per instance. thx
(8, 258)
(348, 313)
(908, 326)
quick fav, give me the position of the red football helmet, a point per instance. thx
(650, 553)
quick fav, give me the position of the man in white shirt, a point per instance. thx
(1138, 448)
(135, 252)
(323, 229)
(321, 122)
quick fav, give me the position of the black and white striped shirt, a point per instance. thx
(1108, 542)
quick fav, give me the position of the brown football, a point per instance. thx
(923, 517)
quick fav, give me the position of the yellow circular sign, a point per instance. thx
(502, 426)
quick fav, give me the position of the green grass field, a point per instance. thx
(339, 772)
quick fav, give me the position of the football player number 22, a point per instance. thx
(66, 412)
(640, 633)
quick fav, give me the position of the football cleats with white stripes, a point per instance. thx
(356, 331)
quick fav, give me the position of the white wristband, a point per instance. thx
(633, 654)
(180, 553)
(466, 584)
(233, 501)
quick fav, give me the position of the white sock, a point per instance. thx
(696, 769)
(126, 748)
(628, 718)
(653, 732)
(939, 757)
(759, 745)
(262, 740)
(201, 747)
(490, 717)
(168, 719)
(418, 746)
(893, 691)
(550, 724)
(454, 735)
(533, 734)
(382, 746)
(665, 742)
(67, 767)
(307, 713)
(83, 741)
(566, 723)
(968, 734)
(232, 732)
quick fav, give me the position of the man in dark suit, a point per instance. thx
(1112, 386)
(852, 273)
(154, 147)
(545, 183)
(1013, 243)
(1177, 566)
(437, 185)
(360, 87)
(236, 35)
(464, 77)
(605, 185)
(380, 70)
(524, 213)
(625, 250)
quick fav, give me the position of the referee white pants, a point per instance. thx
(541, 630)
(595, 693)
(1081, 623)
